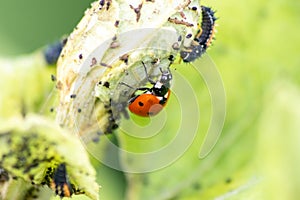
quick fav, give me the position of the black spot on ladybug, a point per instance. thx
(141, 103)
(73, 96)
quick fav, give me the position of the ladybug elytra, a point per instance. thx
(154, 98)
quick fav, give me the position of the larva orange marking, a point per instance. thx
(203, 38)
(207, 26)
(60, 182)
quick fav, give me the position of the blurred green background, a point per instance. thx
(256, 52)
(28, 25)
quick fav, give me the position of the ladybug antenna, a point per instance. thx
(150, 80)
(161, 70)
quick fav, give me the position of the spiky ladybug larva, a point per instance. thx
(109, 30)
(204, 37)
(33, 148)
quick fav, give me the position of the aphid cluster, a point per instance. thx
(26, 161)
(3, 175)
(102, 97)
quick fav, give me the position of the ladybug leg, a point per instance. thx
(132, 99)
(163, 101)
(150, 80)
(141, 88)
(122, 83)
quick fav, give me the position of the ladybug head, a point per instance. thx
(166, 77)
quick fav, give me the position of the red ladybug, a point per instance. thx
(152, 101)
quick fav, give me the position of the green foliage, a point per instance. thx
(256, 156)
